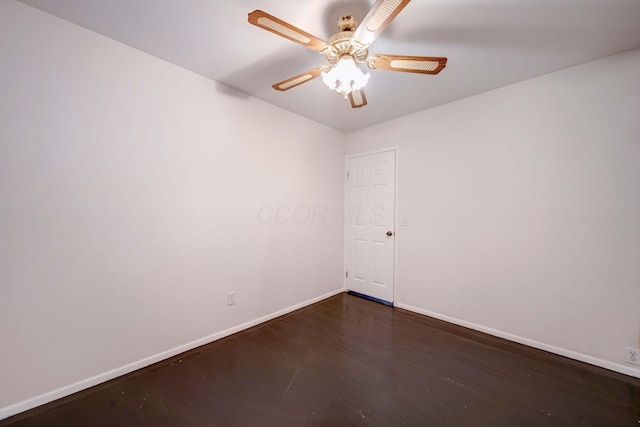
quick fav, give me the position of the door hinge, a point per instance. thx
(347, 174)
(346, 274)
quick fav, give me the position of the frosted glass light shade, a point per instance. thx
(345, 76)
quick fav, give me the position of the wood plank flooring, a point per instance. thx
(351, 362)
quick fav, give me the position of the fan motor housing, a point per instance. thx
(340, 43)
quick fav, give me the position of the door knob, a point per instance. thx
(389, 233)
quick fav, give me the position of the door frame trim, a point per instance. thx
(396, 150)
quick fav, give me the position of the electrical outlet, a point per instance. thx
(231, 298)
(632, 355)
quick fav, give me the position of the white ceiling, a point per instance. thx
(489, 43)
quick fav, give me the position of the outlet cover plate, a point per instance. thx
(632, 355)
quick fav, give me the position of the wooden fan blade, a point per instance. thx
(286, 30)
(299, 79)
(378, 18)
(357, 99)
(407, 64)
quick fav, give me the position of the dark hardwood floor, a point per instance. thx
(347, 361)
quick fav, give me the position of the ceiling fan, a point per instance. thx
(347, 49)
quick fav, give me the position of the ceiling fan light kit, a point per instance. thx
(347, 49)
(345, 77)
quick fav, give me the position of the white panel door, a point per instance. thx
(370, 224)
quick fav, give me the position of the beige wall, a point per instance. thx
(524, 210)
(130, 193)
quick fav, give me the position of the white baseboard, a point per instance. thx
(617, 367)
(98, 379)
